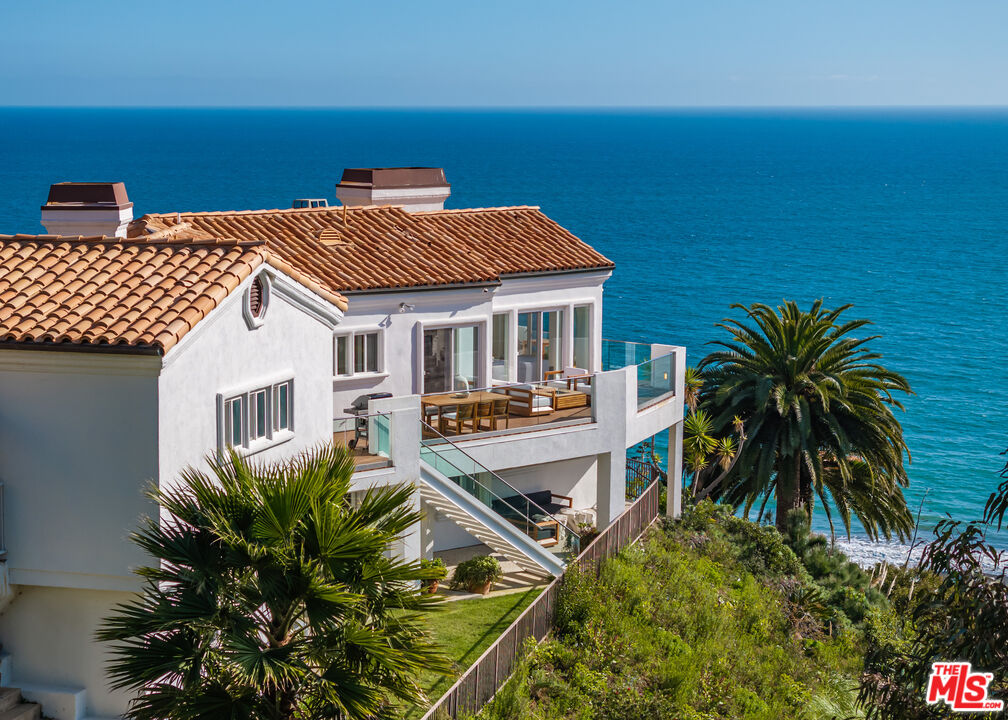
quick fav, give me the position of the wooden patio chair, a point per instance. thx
(457, 419)
(483, 409)
(498, 411)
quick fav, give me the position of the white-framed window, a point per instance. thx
(358, 353)
(258, 413)
(283, 405)
(255, 418)
(234, 422)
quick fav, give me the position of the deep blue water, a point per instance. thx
(903, 213)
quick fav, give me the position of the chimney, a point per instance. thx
(87, 208)
(415, 188)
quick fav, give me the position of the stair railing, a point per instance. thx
(497, 494)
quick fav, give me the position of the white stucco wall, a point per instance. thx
(78, 446)
(49, 633)
(574, 478)
(224, 356)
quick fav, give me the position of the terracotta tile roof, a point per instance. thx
(369, 248)
(110, 291)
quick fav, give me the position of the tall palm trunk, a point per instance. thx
(787, 491)
(805, 490)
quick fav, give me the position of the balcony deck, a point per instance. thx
(362, 457)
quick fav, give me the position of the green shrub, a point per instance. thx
(680, 627)
(436, 566)
(475, 572)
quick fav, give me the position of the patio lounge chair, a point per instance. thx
(528, 400)
(568, 378)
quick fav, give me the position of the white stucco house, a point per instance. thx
(457, 350)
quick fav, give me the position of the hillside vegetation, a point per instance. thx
(708, 617)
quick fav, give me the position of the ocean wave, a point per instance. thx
(866, 553)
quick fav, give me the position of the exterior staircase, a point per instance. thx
(13, 707)
(470, 495)
(446, 508)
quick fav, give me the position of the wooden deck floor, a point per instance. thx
(363, 459)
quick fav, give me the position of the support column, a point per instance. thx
(610, 487)
(404, 450)
(673, 501)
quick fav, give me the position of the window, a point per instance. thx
(261, 415)
(282, 406)
(582, 337)
(257, 417)
(358, 353)
(342, 355)
(540, 344)
(451, 359)
(234, 435)
(501, 339)
(366, 352)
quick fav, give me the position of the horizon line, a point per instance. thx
(500, 108)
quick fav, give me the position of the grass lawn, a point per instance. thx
(465, 628)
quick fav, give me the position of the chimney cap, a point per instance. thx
(88, 195)
(394, 177)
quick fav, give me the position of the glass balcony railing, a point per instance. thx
(492, 491)
(618, 354)
(369, 437)
(655, 380)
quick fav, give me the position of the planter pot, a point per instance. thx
(431, 587)
(479, 589)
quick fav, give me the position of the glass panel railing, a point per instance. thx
(655, 380)
(369, 437)
(506, 407)
(536, 521)
(618, 354)
(380, 428)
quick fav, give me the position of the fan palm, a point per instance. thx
(818, 416)
(273, 597)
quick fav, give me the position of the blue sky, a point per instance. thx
(517, 53)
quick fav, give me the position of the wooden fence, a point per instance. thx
(488, 674)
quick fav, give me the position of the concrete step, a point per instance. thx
(60, 702)
(9, 697)
(22, 711)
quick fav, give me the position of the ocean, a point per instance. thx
(903, 213)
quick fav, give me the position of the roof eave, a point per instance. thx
(109, 349)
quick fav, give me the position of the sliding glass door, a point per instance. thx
(451, 359)
(540, 344)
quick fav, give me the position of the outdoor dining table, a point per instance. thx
(449, 401)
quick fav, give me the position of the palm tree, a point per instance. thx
(704, 453)
(818, 417)
(272, 597)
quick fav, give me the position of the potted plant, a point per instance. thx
(437, 569)
(588, 533)
(477, 574)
